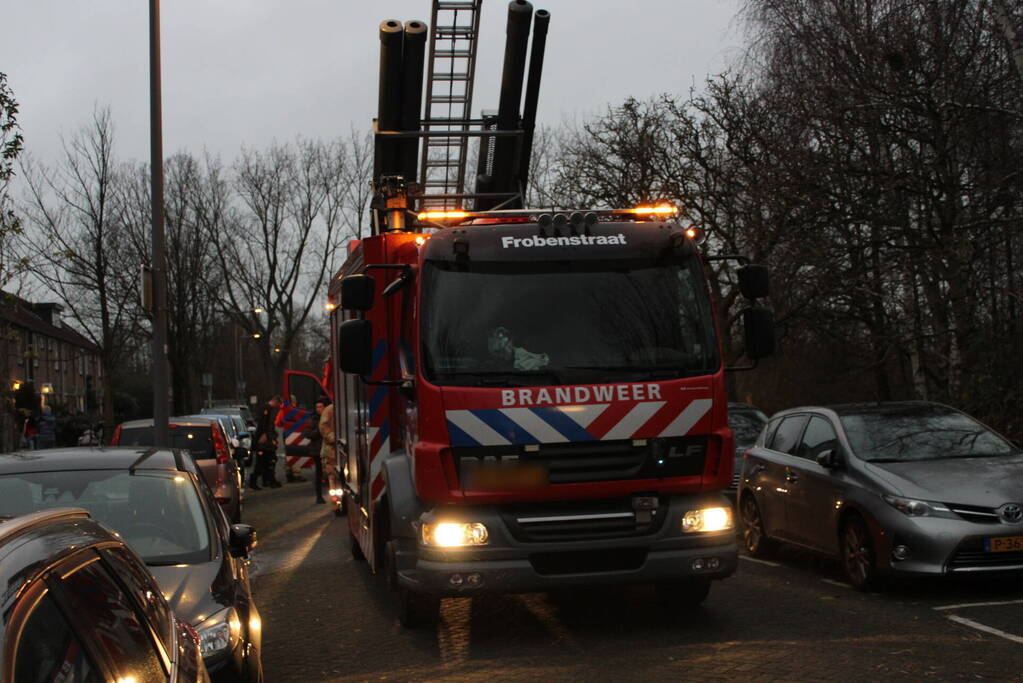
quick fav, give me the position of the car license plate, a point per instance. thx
(1003, 544)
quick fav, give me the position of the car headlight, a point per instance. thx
(454, 534)
(917, 508)
(707, 519)
(219, 632)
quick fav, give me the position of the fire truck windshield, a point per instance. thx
(544, 323)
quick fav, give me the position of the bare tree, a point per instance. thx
(194, 279)
(80, 250)
(278, 248)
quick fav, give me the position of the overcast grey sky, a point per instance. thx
(246, 72)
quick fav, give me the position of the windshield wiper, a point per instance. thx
(649, 371)
(498, 378)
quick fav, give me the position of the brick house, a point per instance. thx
(41, 353)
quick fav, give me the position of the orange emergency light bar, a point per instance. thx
(441, 215)
(662, 211)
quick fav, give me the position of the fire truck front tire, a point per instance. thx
(414, 609)
(417, 609)
(682, 595)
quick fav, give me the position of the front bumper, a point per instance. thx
(508, 564)
(940, 546)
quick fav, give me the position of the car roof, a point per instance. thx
(32, 543)
(93, 458)
(872, 408)
(190, 421)
(891, 408)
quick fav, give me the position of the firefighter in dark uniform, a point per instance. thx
(265, 446)
(312, 432)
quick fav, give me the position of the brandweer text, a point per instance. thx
(601, 393)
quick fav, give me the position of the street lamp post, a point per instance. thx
(161, 407)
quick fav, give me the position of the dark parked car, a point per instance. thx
(156, 501)
(746, 422)
(910, 488)
(82, 607)
(205, 438)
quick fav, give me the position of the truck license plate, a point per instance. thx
(1003, 544)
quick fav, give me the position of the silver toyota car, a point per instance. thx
(910, 488)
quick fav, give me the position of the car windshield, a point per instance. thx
(196, 438)
(747, 426)
(566, 322)
(158, 514)
(920, 433)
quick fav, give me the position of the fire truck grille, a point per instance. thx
(585, 520)
(574, 463)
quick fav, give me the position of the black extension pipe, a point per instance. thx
(413, 62)
(386, 158)
(541, 20)
(505, 160)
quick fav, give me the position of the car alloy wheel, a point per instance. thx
(858, 553)
(753, 535)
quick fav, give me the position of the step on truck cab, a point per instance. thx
(525, 399)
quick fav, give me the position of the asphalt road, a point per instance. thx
(327, 619)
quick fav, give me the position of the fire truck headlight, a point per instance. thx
(707, 519)
(454, 534)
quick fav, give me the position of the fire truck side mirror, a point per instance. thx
(355, 346)
(754, 282)
(758, 324)
(357, 292)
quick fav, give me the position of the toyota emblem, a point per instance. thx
(1011, 512)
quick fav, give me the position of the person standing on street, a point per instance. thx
(47, 429)
(265, 445)
(328, 453)
(312, 432)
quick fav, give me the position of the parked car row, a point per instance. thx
(216, 448)
(130, 570)
(889, 489)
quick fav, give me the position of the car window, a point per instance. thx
(746, 426)
(158, 514)
(117, 628)
(786, 437)
(147, 594)
(921, 432)
(768, 434)
(48, 649)
(196, 438)
(819, 436)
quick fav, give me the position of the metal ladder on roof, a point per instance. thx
(454, 33)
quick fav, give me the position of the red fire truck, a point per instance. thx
(525, 399)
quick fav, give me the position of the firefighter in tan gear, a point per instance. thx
(328, 452)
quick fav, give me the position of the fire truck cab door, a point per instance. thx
(301, 389)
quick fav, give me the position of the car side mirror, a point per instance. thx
(357, 292)
(758, 327)
(235, 443)
(355, 346)
(242, 540)
(828, 459)
(754, 281)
